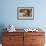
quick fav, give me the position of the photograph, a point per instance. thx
(25, 13)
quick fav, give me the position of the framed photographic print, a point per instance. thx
(25, 13)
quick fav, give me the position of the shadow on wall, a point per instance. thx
(2, 27)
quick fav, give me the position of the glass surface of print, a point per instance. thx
(25, 13)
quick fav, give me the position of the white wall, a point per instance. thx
(9, 13)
